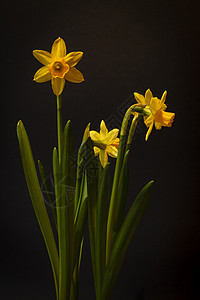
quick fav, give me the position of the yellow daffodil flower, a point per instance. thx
(58, 66)
(156, 108)
(106, 143)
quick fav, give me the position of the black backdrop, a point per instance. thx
(128, 46)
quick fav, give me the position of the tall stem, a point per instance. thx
(59, 125)
(61, 211)
(134, 123)
(118, 167)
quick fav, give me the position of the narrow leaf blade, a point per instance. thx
(101, 225)
(124, 238)
(121, 198)
(45, 181)
(80, 220)
(92, 185)
(37, 198)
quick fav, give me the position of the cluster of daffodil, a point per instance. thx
(81, 194)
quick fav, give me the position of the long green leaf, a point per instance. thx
(92, 185)
(65, 209)
(37, 199)
(80, 220)
(112, 208)
(45, 181)
(124, 237)
(80, 165)
(121, 198)
(101, 226)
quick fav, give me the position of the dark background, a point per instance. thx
(128, 46)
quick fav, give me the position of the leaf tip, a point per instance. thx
(19, 123)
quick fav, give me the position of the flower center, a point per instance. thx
(100, 144)
(58, 68)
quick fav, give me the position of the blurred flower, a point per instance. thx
(156, 111)
(58, 66)
(106, 143)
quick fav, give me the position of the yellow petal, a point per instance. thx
(112, 151)
(103, 157)
(74, 76)
(42, 75)
(149, 131)
(103, 129)
(58, 85)
(43, 56)
(139, 98)
(163, 107)
(96, 150)
(73, 58)
(149, 120)
(95, 135)
(58, 49)
(148, 96)
(116, 143)
(154, 105)
(111, 136)
(164, 95)
(158, 125)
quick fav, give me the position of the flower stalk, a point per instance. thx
(134, 123)
(117, 173)
(59, 125)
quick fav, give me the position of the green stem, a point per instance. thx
(118, 167)
(61, 210)
(59, 124)
(132, 131)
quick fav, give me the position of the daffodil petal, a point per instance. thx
(164, 95)
(112, 151)
(149, 131)
(103, 129)
(58, 49)
(149, 120)
(103, 157)
(139, 98)
(111, 136)
(158, 125)
(95, 135)
(73, 58)
(43, 56)
(154, 105)
(148, 96)
(116, 143)
(42, 75)
(96, 150)
(58, 85)
(74, 76)
(163, 107)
